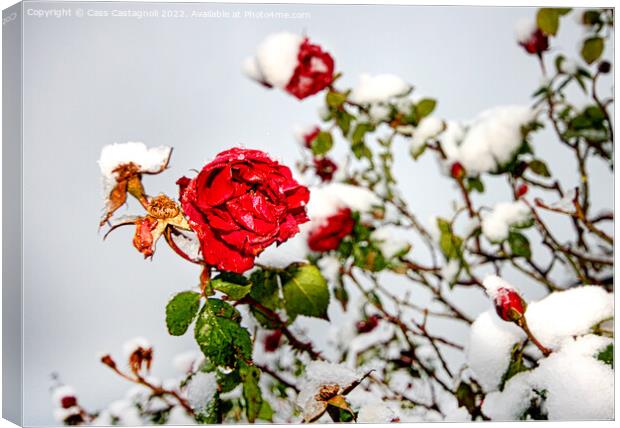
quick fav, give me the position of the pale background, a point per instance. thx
(92, 81)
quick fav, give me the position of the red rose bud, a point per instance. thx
(509, 305)
(68, 401)
(537, 43)
(368, 325)
(457, 171)
(241, 203)
(310, 136)
(108, 361)
(272, 341)
(522, 190)
(314, 71)
(328, 235)
(325, 168)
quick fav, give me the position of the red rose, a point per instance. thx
(457, 171)
(537, 43)
(328, 236)
(509, 305)
(272, 341)
(314, 71)
(241, 203)
(325, 168)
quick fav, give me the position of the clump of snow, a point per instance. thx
(568, 313)
(375, 413)
(150, 160)
(496, 224)
(132, 345)
(126, 412)
(451, 270)
(451, 138)
(512, 402)
(576, 385)
(428, 128)
(61, 392)
(524, 29)
(389, 240)
(569, 66)
(61, 414)
(179, 416)
(494, 137)
(186, 362)
(490, 345)
(330, 268)
(493, 283)
(276, 59)
(378, 88)
(188, 243)
(378, 112)
(200, 389)
(328, 199)
(294, 250)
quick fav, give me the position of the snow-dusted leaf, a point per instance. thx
(251, 392)
(181, 311)
(219, 334)
(305, 291)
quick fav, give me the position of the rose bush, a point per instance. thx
(241, 203)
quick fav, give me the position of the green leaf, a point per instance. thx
(343, 120)
(449, 243)
(592, 49)
(548, 20)
(181, 311)
(234, 285)
(335, 99)
(266, 291)
(322, 143)
(519, 245)
(220, 336)
(266, 412)
(305, 291)
(475, 183)
(252, 395)
(607, 355)
(515, 366)
(211, 413)
(538, 167)
(425, 107)
(360, 131)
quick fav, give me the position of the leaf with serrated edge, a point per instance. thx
(305, 292)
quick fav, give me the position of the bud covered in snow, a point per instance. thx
(533, 40)
(325, 168)
(508, 303)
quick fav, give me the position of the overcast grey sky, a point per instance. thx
(91, 81)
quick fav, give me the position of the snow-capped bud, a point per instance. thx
(457, 171)
(325, 168)
(64, 396)
(521, 190)
(509, 305)
(533, 40)
(604, 67)
(272, 341)
(368, 325)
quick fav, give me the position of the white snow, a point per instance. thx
(276, 58)
(375, 413)
(330, 268)
(524, 29)
(60, 414)
(378, 88)
(569, 66)
(568, 313)
(389, 240)
(293, 250)
(490, 343)
(576, 384)
(494, 137)
(493, 283)
(328, 199)
(496, 224)
(179, 416)
(200, 389)
(250, 69)
(126, 413)
(132, 345)
(147, 159)
(428, 127)
(185, 362)
(61, 392)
